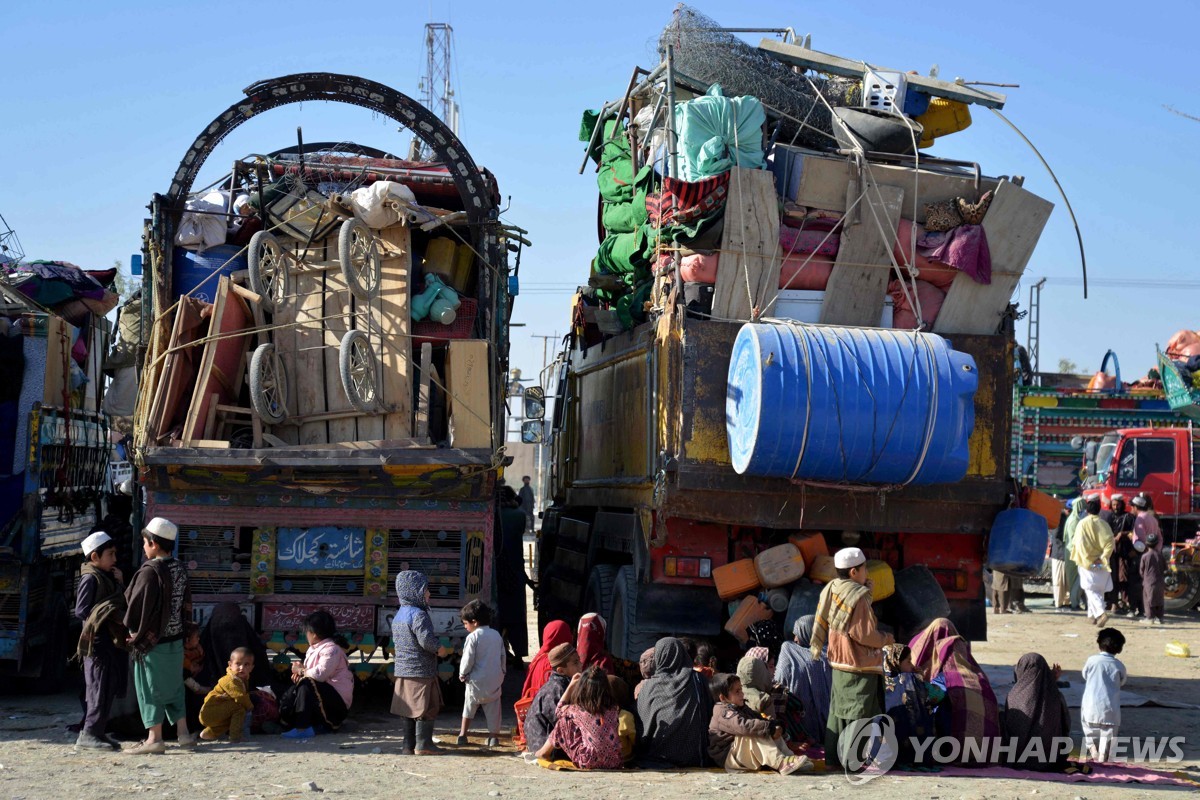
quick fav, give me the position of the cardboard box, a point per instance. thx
(468, 400)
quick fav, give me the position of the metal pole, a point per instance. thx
(1033, 331)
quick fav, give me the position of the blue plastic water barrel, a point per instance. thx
(190, 269)
(1017, 543)
(849, 404)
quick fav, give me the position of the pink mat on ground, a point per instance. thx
(1101, 773)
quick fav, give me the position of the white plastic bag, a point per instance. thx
(202, 230)
(374, 204)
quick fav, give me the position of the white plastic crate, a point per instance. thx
(884, 91)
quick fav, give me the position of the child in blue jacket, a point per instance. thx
(418, 696)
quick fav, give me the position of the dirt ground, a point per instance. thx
(37, 759)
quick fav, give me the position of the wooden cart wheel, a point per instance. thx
(268, 385)
(358, 366)
(359, 256)
(269, 276)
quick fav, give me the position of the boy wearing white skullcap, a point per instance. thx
(160, 602)
(100, 606)
(846, 621)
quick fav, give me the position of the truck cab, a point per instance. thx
(1159, 462)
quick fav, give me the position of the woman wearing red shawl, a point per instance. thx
(590, 643)
(554, 634)
(969, 711)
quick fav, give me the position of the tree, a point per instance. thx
(1067, 366)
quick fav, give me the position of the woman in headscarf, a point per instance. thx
(555, 633)
(1036, 711)
(809, 679)
(589, 641)
(226, 631)
(674, 707)
(969, 710)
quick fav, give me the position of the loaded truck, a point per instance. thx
(54, 456)
(705, 413)
(321, 400)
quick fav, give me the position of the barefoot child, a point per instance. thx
(225, 707)
(1103, 676)
(743, 741)
(100, 606)
(482, 670)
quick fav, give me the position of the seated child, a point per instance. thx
(906, 698)
(322, 687)
(193, 658)
(1103, 676)
(587, 723)
(225, 707)
(539, 722)
(626, 721)
(482, 670)
(741, 740)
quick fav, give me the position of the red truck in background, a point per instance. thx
(1160, 462)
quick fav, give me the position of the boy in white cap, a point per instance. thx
(159, 603)
(100, 606)
(846, 621)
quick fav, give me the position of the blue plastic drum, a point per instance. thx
(1017, 544)
(192, 272)
(849, 404)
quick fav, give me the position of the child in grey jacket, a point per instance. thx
(482, 670)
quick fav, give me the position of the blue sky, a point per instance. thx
(102, 100)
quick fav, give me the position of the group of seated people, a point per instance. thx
(771, 711)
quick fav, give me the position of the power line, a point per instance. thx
(1125, 283)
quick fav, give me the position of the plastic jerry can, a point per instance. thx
(439, 258)
(736, 579)
(749, 611)
(779, 565)
(822, 570)
(777, 599)
(883, 581)
(811, 545)
(1049, 507)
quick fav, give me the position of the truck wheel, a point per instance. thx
(624, 638)
(1182, 591)
(599, 594)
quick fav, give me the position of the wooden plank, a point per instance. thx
(309, 376)
(283, 319)
(748, 277)
(58, 343)
(424, 378)
(222, 359)
(1013, 225)
(823, 181)
(395, 327)
(338, 316)
(835, 65)
(467, 368)
(858, 283)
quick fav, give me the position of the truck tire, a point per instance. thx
(624, 638)
(1182, 591)
(599, 594)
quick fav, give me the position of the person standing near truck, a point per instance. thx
(1091, 551)
(100, 606)
(855, 647)
(526, 495)
(159, 601)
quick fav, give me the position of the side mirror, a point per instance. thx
(535, 403)
(1076, 442)
(533, 431)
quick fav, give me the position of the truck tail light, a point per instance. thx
(951, 580)
(675, 567)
